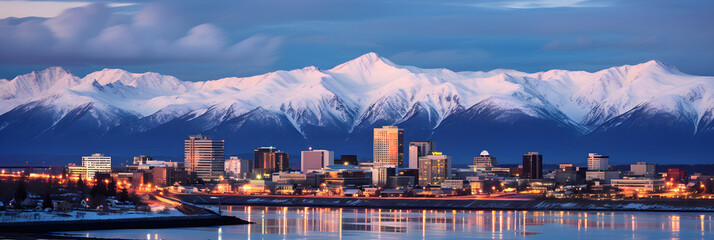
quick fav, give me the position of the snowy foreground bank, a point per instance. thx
(94, 220)
(36, 216)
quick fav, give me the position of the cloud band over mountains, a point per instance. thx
(96, 34)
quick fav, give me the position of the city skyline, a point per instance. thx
(343, 119)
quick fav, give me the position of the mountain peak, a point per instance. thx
(367, 60)
(109, 75)
(50, 74)
(658, 65)
(56, 69)
(311, 68)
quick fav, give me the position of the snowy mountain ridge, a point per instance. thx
(362, 93)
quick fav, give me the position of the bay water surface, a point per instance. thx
(401, 224)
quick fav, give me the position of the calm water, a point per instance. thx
(347, 223)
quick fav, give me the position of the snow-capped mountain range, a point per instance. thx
(117, 111)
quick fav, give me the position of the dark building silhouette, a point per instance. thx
(533, 165)
(268, 160)
(347, 160)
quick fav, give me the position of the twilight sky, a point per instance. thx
(203, 40)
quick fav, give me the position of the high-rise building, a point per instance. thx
(434, 169)
(388, 146)
(204, 157)
(142, 159)
(313, 160)
(282, 161)
(419, 149)
(485, 160)
(533, 165)
(347, 160)
(643, 169)
(96, 163)
(269, 160)
(236, 167)
(597, 162)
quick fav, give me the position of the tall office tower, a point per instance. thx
(597, 162)
(269, 160)
(388, 146)
(236, 167)
(96, 163)
(347, 160)
(142, 159)
(282, 161)
(419, 149)
(264, 158)
(533, 165)
(485, 160)
(434, 169)
(204, 157)
(316, 159)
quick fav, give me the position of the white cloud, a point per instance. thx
(88, 35)
(45, 9)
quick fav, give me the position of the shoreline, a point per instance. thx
(678, 205)
(107, 224)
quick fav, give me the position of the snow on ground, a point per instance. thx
(156, 211)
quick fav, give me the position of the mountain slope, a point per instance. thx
(560, 112)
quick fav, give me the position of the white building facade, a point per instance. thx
(96, 163)
(597, 162)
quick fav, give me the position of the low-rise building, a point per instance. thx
(605, 176)
(400, 182)
(643, 169)
(638, 185)
(78, 172)
(569, 174)
(345, 175)
(223, 188)
(312, 179)
(707, 182)
(381, 174)
(485, 159)
(257, 187)
(285, 189)
(238, 168)
(453, 183)
(676, 175)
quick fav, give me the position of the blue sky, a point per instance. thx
(203, 40)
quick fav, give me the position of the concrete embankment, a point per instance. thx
(673, 205)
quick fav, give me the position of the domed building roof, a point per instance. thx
(485, 153)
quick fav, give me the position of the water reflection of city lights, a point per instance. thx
(499, 224)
